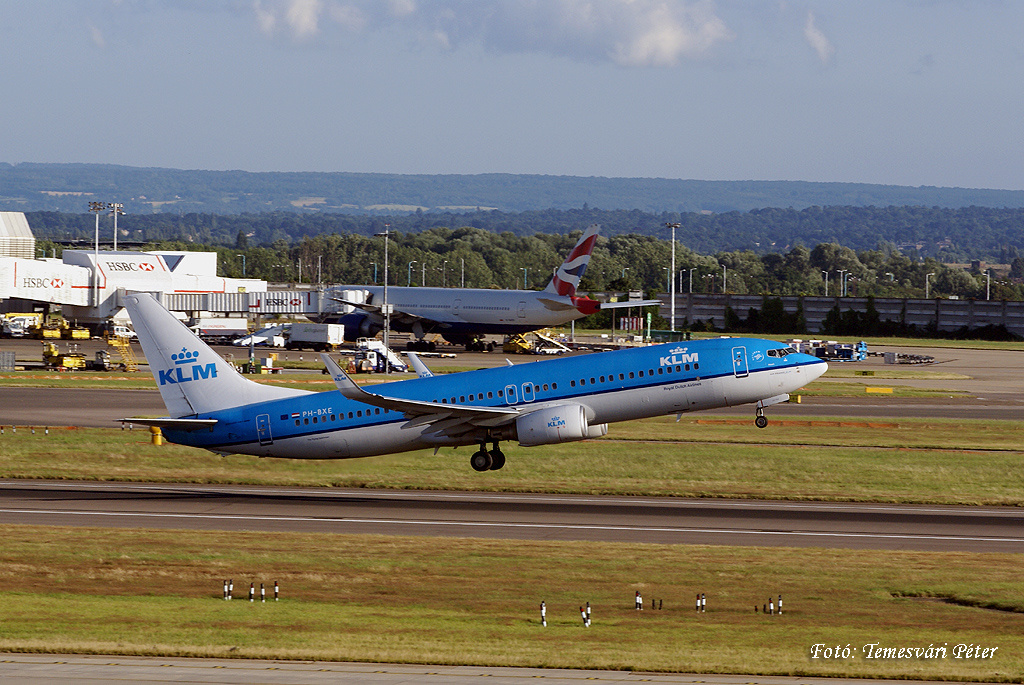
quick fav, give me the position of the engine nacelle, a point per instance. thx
(560, 423)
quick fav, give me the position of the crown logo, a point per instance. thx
(185, 357)
(677, 350)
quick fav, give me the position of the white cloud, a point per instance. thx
(628, 32)
(817, 39)
(97, 36)
(301, 18)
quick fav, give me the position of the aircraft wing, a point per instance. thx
(177, 424)
(396, 314)
(445, 417)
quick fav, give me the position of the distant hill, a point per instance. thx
(31, 187)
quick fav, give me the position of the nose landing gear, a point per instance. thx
(482, 460)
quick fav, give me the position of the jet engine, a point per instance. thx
(560, 423)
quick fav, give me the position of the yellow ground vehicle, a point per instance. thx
(62, 361)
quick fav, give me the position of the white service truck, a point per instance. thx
(220, 329)
(322, 337)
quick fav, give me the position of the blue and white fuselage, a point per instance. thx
(543, 402)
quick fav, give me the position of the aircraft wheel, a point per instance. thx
(480, 461)
(761, 421)
(497, 459)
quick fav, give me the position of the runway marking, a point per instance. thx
(539, 526)
(952, 509)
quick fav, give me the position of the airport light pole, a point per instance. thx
(116, 208)
(444, 274)
(462, 282)
(524, 270)
(408, 279)
(825, 275)
(374, 272)
(927, 292)
(988, 284)
(385, 307)
(96, 207)
(423, 274)
(691, 279)
(243, 263)
(841, 272)
(672, 285)
(723, 278)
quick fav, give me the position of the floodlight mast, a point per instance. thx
(672, 285)
(96, 207)
(386, 308)
(116, 208)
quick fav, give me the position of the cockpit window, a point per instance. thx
(781, 352)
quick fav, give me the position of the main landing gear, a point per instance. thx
(482, 460)
(760, 420)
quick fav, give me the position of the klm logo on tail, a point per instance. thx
(186, 362)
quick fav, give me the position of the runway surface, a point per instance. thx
(513, 516)
(32, 669)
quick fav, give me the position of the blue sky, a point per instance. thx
(908, 92)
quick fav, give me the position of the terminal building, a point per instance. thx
(88, 285)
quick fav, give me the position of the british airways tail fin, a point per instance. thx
(568, 276)
(192, 378)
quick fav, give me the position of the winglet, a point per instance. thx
(345, 384)
(418, 366)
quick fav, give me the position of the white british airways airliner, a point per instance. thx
(463, 315)
(212, 406)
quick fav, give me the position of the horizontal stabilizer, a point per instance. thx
(176, 424)
(556, 305)
(635, 303)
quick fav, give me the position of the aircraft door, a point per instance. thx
(510, 394)
(522, 310)
(739, 362)
(455, 307)
(263, 429)
(527, 392)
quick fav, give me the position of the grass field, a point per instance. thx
(909, 460)
(462, 601)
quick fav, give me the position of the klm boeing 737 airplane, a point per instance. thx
(212, 406)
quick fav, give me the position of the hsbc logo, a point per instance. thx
(129, 266)
(55, 283)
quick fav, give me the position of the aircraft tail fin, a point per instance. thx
(192, 378)
(568, 276)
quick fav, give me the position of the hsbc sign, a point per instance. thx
(30, 282)
(129, 266)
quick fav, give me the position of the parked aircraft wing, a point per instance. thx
(396, 314)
